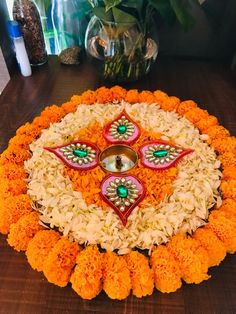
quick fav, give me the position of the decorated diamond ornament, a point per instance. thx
(79, 155)
(161, 154)
(123, 193)
(122, 130)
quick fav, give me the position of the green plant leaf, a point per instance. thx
(86, 7)
(165, 9)
(109, 4)
(185, 19)
(101, 13)
(123, 17)
(133, 4)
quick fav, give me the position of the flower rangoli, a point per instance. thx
(120, 190)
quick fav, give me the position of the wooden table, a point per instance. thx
(22, 290)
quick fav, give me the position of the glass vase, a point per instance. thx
(26, 14)
(70, 20)
(121, 51)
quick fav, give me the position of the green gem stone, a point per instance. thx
(122, 191)
(121, 129)
(160, 153)
(80, 153)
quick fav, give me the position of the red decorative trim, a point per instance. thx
(130, 140)
(166, 165)
(128, 210)
(71, 164)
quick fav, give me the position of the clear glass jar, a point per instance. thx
(121, 51)
(70, 20)
(26, 14)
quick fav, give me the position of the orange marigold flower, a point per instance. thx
(224, 145)
(60, 261)
(146, 136)
(167, 273)
(116, 276)
(229, 172)
(12, 187)
(88, 183)
(118, 92)
(40, 246)
(69, 106)
(54, 113)
(186, 106)
(214, 247)
(23, 231)
(92, 134)
(29, 130)
(216, 132)
(132, 96)
(196, 114)
(88, 97)
(228, 159)
(14, 155)
(104, 95)
(192, 257)
(12, 171)
(147, 97)
(204, 124)
(228, 189)
(76, 99)
(20, 141)
(158, 184)
(141, 274)
(224, 228)
(87, 277)
(228, 208)
(11, 209)
(170, 103)
(160, 97)
(42, 122)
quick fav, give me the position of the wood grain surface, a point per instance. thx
(22, 290)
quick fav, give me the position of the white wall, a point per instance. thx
(4, 75)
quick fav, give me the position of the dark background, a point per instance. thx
(212, 37)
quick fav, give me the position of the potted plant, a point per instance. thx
(121, 36)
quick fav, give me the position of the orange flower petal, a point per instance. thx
(224, 228)
(87, 277)
(60, 261)
(40, 246)
(23, 231)
(140, 273)
(193, 259)
(166, 268)
(12, 209)
(116, 276)
(214, 247)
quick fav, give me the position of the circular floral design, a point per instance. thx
(185, 257)
(153, 223)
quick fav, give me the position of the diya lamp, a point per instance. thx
(118, 159)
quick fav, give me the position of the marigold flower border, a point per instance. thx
(185, 257)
